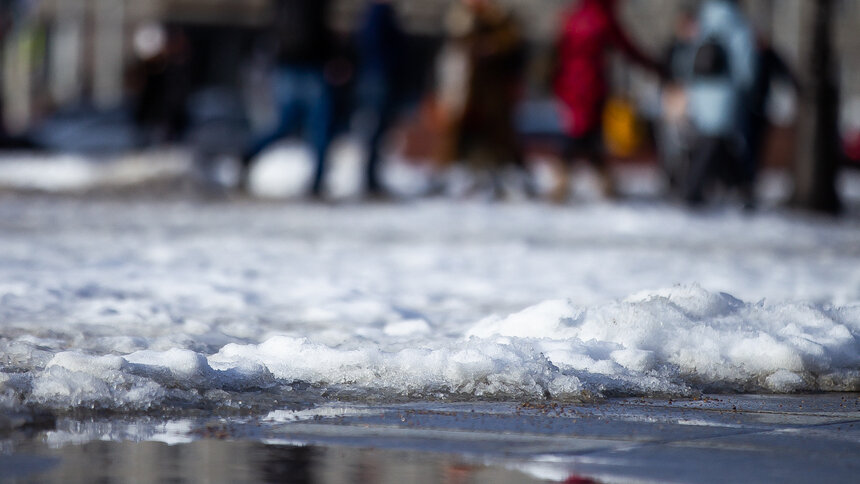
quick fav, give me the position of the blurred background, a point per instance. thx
(193, 80)
(141, 139)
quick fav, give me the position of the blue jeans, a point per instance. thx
(305, 105)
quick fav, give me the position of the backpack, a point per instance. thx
(711, 59)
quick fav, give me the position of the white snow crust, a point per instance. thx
(146, 305)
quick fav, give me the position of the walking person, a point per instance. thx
(590, 29)
(161, 107)
(673, 128)
(770, 68)
(302, 92)
(724, 73)
(481, 81)
(381, 54)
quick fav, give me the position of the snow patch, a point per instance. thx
(671, 341)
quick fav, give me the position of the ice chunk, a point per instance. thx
(79, 362)
(784, 381)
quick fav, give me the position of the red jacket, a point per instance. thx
(852, 147)
(590, 28)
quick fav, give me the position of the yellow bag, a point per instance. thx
(622, 131)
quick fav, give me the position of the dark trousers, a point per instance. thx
(375, 115)
(716, 158)
(589, 146)
(305, 103)
(756, 138)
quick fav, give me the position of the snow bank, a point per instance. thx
(463, 368)
(670, 342)
(689, 336)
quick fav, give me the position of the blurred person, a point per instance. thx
(590, 28)
(770, 68)
(381, 51)
(6, 27)
(724, 74)
(163, 71)
(302, 90)
(480, 83)
(673, 135)
(10, 20)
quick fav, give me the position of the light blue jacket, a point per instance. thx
(717, 105)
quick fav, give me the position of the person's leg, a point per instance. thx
(705, 157)
(670, 147)
(570, 150)
(742, 161)
(385, 122)
(595, 151)
(319, 122)
(756, 144)
(377, 116)
(288, 98)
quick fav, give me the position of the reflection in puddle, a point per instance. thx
(211, 460)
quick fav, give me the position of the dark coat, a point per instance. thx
(495, 49)
(302, 32)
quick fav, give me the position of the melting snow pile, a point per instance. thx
(687, 337)
(175, 305)
(671, 342)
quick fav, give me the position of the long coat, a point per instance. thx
(485, 58)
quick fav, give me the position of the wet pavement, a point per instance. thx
(744, 438)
